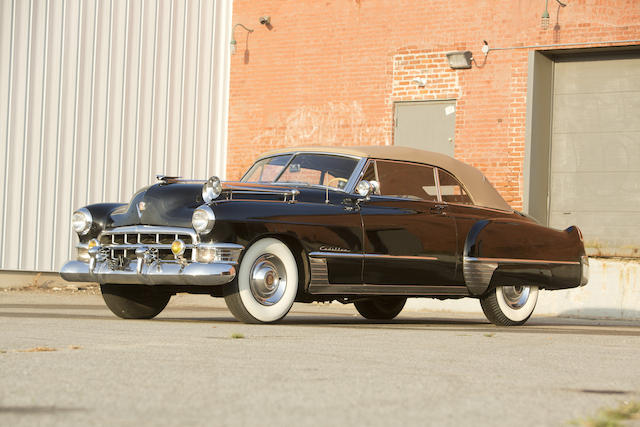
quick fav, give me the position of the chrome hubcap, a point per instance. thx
(516, 296)
(268, 279)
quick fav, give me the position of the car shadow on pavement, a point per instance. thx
(312, 318)
(29, 410)
(555, 327)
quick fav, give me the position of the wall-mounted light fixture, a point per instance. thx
(233, 42)
(544, 22)
(460, 59)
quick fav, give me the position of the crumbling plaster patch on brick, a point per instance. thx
(327, 124)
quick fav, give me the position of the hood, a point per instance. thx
(165, 204)
(172, 204)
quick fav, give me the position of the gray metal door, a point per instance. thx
(428, 125)
(595, 151)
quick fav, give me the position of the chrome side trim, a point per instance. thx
(477, 274)
(521, 261)
(324, 254)
(240, 189)
(319, 282)
(419, 258)
(319, 273)
(409, 290)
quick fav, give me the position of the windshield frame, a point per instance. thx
(349, 187)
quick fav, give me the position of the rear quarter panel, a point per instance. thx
(524, 251)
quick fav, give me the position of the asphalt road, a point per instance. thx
(322, 366)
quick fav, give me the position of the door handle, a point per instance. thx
(437, 209)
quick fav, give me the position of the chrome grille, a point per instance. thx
(123, 241)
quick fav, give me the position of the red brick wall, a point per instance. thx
(328, 72)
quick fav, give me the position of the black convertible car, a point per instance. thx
(365, 225)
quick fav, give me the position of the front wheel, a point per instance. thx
(134, 301)
(266, 284)
(380, 308)
(509, 305)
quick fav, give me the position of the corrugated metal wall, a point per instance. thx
(96, 97)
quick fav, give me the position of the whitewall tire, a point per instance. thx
(509, 305)
(266, 284)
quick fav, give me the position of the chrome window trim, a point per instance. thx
(262, 158)
(480, 207)
(464, 187)
(351, 183)
(436, 177)
(436, 180)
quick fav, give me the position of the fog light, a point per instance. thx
(177, 247)
(92, 243)
(205, 254)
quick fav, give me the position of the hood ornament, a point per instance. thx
(166, 179)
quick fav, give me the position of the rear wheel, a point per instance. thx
(380, 308)
(134, 301)
(266, 285)
(509, 305)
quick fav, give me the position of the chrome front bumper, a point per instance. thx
(167, 273)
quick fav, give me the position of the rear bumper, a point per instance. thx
(168, 273)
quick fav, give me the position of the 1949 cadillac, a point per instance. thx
(365, 225)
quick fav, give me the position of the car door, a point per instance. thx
(409, 238)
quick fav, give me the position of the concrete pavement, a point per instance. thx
(66, 360)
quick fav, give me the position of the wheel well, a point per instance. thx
(299, 254)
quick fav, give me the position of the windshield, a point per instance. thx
(306, 169)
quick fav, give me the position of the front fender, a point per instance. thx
(101, 214)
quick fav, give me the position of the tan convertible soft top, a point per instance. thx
(480, 189)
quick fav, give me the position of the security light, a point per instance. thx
(460, 59)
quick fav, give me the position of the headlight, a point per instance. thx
(203, 219)
(81, 221)
(211, 189)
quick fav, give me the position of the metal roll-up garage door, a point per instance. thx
(595, 151)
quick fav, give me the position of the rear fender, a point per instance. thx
(513, 252)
